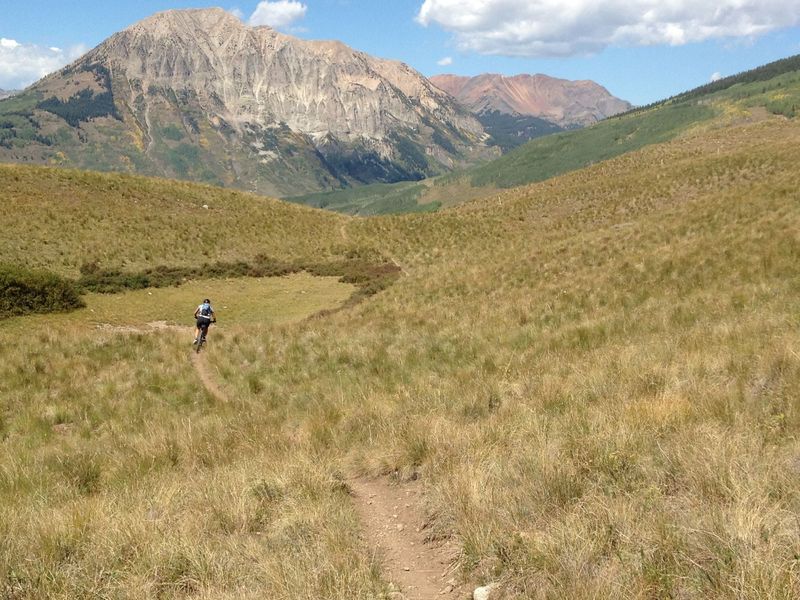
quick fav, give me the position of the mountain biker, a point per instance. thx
(205, 315)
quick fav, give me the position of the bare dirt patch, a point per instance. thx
(394, 525)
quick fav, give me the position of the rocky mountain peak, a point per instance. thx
(200, 94)
(195, 19)
(259, 75)
(559, 101)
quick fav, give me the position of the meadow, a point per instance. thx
(594, 376)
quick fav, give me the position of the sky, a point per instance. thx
(640, 50)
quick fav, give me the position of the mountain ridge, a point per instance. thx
(565, 103)
(769, 91)
(197, 94)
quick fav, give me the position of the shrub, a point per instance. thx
(24, 291)
(362, 267)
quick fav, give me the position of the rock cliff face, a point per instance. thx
(564, 103)
(198, 94)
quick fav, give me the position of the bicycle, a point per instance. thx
(201, 340)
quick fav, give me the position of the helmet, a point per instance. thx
(206, 301)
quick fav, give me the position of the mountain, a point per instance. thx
(768, 92)
(7, 93)
(515, 110)
(197, 94)
(568, 104)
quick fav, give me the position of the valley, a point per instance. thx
(772, 89)
(590, 375)
(565, 371)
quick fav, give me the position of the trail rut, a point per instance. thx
(197, 359)
(206, 379)
(394, 525)
(392, 517)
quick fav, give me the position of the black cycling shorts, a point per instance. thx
(203, 323)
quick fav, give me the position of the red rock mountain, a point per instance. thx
(565, 103)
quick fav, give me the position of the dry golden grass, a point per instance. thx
(61, 219)
(596, 376)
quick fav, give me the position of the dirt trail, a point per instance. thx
(206, 379)
(199, 363)
(394, 526)
(392, 516)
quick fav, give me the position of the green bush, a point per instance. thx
(362, 267)
(111, 281)
(23, 291)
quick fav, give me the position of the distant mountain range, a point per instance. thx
(517, 109)
(772, 89)
(7, 93)
(568, 104)
(197, 94)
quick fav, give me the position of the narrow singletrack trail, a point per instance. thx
(197, 358)
(201, 366)
(393, 520)
(394, 526)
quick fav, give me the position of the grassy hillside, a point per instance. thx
(594, 376)
(370, 200)
(62, 219)
(774, 87)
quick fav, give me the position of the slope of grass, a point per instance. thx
(61, 220)
(774, 87)
(370, 200)
(595, 377)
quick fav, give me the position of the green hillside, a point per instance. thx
(63, 219)
(593, 377)
(370, 200)
(774, 87)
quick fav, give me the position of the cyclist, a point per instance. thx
(205, 316)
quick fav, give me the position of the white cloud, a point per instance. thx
(22, 64)
(237, 12)
(277, 14)
(715, 77)
(445, 62)
(570, 27)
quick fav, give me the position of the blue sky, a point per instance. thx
(641, 50)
